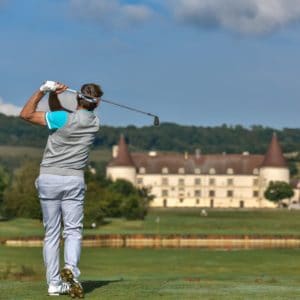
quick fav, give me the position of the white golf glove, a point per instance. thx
(48, 86)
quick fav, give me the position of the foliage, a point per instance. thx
(4, 180)
(20, 198)
(105, 198)
(168, 137)
(278, 190)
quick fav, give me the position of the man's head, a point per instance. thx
(89, 91)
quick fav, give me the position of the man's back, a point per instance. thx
(68, 147)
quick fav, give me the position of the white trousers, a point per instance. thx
(61, 199)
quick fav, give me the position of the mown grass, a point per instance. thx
(164, 274)
(183, 221)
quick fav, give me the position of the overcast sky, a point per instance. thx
(192, 62)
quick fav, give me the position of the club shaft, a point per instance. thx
(118, 104)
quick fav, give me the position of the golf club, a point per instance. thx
(156, 118)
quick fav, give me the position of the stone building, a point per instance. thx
(212, 180)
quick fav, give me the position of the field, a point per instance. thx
(188, 221)
(161, 274)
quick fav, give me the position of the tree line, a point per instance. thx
(103, 198)
(166, 137)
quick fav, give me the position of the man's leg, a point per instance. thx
(73, 217)
(72, 212)
(52, 223)
(50, 189)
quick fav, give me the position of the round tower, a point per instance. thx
(274, 166)
(122, 165)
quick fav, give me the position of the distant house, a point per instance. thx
(198, 180)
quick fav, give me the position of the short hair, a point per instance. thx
(89, 90)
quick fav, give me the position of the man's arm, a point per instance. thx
(29, 112)
(54, 103)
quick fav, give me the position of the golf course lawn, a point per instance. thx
(160, 274)
(180, 221)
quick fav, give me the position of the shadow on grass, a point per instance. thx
(90, 285)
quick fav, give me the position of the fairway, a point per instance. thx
(161, 274)
(181, 221)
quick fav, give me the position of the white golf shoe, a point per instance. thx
(56, 290)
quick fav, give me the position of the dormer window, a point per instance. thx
(165, 170)
(181, 170)
(197, 171)
(256, 171)
(142, 170)
(212, 171)
(230, 171)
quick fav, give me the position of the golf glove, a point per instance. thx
(48, 86)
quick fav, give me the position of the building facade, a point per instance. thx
(213, 180)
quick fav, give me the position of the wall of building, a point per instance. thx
(224, 191)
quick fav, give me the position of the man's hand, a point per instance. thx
(53, 86)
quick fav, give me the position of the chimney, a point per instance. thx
(186, 155)
(198, 153)
(115, 150)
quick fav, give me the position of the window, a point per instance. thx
(229, 181)
(142, 170)
(180, 181)
(197, 201)
(181, 200)
(197, 193)
(229, 193)
(139, 180)
(230, 171)
(197, 171)
(242, 204)
(211, 193)
(197, 181)
(255, 181)
(164, 181)
(212, 171)
(211, 203)
(164, 193)
(165, 170)
(255, 193)
(181, 170)
(212, 181)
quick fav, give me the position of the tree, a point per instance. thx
(278, 190)
(4, 179)
(21, 197)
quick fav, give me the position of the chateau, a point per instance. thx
(212, 180)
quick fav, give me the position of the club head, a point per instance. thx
(156, 121)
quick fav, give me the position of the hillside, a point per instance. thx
(167, 137)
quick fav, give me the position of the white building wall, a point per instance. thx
(180, 190)
(126, 173)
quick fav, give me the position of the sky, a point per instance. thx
(191, 62)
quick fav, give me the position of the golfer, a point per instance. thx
(60, 183)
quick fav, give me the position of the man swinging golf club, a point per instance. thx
(61, 184)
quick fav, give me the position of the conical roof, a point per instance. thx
(274, 156)
(123, 157)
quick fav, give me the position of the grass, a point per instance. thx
(186, 221)
(162, 274)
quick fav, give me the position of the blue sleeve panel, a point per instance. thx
(56, 119)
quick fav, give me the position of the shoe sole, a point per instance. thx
(76, 290)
